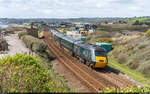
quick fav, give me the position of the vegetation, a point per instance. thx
(0, 29)
(34, 44)
(25, 73)
(148, 32)
(128, 71)
(3, 45)
(107, 40)
(63, 28)
(134, 89)
(139, 19)
(130, 54)
(22, 33)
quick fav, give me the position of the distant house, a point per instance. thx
(91, 31)
(110, 23)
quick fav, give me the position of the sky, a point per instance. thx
(73, 8)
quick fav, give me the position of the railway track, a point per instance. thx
(94, 80)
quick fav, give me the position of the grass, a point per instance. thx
(126, 70)
(139, 19)
(65, 28)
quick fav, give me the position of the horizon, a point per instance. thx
(70, 17)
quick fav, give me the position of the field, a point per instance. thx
(63, 28)
(139, 19)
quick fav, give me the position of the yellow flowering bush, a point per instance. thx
(133, 89)
(148, 32)
(25, 73)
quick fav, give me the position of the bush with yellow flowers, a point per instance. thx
(26, 74)
(133, 89)
(148, 32)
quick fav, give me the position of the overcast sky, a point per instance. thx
(73, 8)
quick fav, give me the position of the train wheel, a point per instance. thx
(84, 61)
(92, 66)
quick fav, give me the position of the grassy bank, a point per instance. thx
(127, 71)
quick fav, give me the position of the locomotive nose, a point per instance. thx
(100, 62)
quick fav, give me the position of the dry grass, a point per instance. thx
(122, 58)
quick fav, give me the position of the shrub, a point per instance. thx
(145, 69)
(133, 64)
(24, 73)
(122, 58)
(133, 89)
(115, 53)
(142, 46)
(34, 44)
(0, 29)
(22, 33)
(3, 45)
(107, 40)
(130, 47)
(148, 32)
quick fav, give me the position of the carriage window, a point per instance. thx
(100, 53)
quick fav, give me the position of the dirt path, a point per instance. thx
(15, 46)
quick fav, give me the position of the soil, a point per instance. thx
(75, 84)
(15, 45)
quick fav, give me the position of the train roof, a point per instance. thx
(77, 42)
(89, 46)
(70, 39)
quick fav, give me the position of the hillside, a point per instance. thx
(130, 48)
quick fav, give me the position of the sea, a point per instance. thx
(3, 26)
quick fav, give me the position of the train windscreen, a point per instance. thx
(98, 53)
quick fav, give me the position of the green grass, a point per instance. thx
(126, 70)
(140, 19)
(65, 28)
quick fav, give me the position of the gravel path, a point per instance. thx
(15, 46)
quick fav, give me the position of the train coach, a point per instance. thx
(92, 55)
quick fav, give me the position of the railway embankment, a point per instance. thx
(92, 80)
(130, 54)
(108, 78)
(23, 70)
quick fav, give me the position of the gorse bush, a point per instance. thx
(24, 73)
(133, 89)
(34, 44)
(107, 40)
(148, 32)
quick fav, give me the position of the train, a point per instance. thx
(92, 55)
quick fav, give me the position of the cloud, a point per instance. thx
(73, 8)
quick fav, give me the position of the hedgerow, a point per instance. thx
(22, 33)
(34, 44)
(25, 73)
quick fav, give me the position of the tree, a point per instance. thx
(137, 22)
